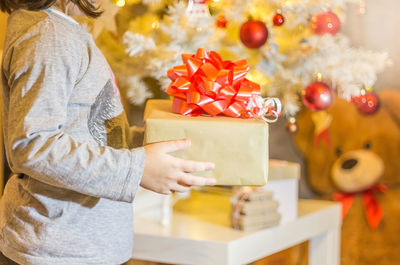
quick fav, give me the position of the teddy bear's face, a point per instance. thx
(357, 170)
(364, 149)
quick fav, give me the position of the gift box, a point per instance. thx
(283, 179)
(255, 223)
(238, 147)
(254, 209)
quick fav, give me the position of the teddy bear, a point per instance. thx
(356, 161)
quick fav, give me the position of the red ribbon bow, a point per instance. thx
(324, 135)
(207, 84)
(373, 211)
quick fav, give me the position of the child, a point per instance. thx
(68, 143)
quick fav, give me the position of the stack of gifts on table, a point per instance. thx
(254, 209)
(226, 119)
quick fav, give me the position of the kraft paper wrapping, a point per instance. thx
(238, 147)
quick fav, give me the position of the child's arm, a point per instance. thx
(41, 70)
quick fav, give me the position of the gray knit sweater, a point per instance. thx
(68, 140)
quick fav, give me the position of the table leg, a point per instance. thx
(325, 248)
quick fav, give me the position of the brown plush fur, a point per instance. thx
(350, 131)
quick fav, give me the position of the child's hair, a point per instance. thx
(85, 5)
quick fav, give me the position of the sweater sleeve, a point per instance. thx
(41, 71)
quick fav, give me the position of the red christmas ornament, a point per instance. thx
(253, 34)
(198, 1)
(221, 22)
(325, 23)
(278, 19)
(317, 96)
(367, 103)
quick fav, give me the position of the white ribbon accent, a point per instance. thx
(265, 108)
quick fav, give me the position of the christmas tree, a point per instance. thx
(294, 48)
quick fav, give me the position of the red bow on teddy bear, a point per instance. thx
(373, 211)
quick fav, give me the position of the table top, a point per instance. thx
(187, 240)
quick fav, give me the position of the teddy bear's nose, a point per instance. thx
(349, 163)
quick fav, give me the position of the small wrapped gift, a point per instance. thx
(254, 209)
(237, 144)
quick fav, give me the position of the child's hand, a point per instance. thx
(165, 174)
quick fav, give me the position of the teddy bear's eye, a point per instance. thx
(339, 151)
(367, 145)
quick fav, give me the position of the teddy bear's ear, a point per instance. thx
(305, 136)
(390, 100)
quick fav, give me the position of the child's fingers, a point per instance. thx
(180, 188)
(183, 184)
(173, 146)
(162, 191)
(195, 166)
(191, 180)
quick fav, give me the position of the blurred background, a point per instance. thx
(327, 60)
(370, 25)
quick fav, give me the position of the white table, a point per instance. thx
(190, 241)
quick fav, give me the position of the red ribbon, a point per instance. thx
(373, 211)
(323, 135)
(207, 84)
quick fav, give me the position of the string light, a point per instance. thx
(120, 3)
(155, 25)
(368, 88)
(319, 77)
